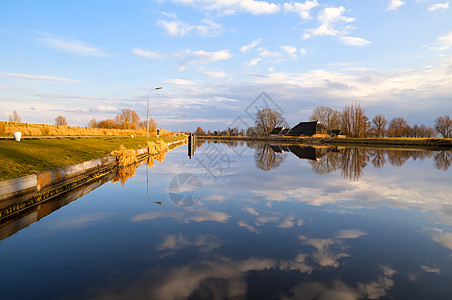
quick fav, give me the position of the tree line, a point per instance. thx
(353, 122)
(127, 119)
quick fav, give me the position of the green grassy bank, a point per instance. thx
(427, 143)
(33, 156)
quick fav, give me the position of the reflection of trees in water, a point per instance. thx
(377, 157)
(267, 159)
(352, 161)
(443, 160)
(327, 164)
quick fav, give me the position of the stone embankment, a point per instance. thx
(19, 193)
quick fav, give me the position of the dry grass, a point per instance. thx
(29, 129)
(125, 157)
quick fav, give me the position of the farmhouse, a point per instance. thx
(310, 129)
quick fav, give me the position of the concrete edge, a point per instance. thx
(48, 179)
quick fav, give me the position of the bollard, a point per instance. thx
(17, 136)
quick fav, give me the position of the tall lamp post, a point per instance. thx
(147, 124)
(179, 123)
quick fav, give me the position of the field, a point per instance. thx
(29, 129)
(32, 156)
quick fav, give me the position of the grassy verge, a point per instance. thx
(32, 156)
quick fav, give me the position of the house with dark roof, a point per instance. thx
(279, 131)
(310, 129)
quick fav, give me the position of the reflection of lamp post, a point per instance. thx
(147, 117)
(179, 123)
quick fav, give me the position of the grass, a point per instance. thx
(33, 156)
(30, 129)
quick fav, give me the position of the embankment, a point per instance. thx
(21, 193)
(427, 143)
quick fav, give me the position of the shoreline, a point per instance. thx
(426, 143)
(21, 193)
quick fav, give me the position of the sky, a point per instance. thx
(218, 60)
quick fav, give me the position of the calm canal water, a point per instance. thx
(244, 221)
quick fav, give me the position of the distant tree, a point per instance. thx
(108, 124)
(330, 118)
(354, 121)
(60, 120)
(378, 126)
(127, 119)
(92, 123)
(251, 131)
(14, 117)
(242, 132)
(443, 125)
(398, 127)
(200, 131)
(266, 120)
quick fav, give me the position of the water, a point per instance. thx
(244, 222)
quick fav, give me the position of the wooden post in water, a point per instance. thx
(191, 145)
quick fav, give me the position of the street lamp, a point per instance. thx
(179, 123)
(147, 126)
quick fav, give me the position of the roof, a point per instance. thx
(277, 130)
(308, 129)
(280, 130)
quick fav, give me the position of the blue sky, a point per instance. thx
(89, 59)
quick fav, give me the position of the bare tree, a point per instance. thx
(266, 120)
(354, 121)
(200, 131)
(330, 118)
(443, 125)
(92, 123)
(60, 120)
(14, 117)
(398, 127)
(127, 119)
(378, 126)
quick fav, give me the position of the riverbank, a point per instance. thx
(20, 194)
(32, 156)
(430, 143)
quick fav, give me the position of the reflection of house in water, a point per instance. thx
(304, 152)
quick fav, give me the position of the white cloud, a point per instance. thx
(265, 53)
(445, 42)
(227, 7)
(350, 233)
(438, 6)
(354, 41)
(187, 56)
(251, 211)
(72, 46)
(291, 51)
(303, 9)
(329, 18)
(250, 45)
(394, 4)
(429, 269)
(37, 77)
(105, 108)
(220, 74)
(179, 28)
(247, 226)
(147, 54)
(253, 62)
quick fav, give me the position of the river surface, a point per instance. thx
(244, 221)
